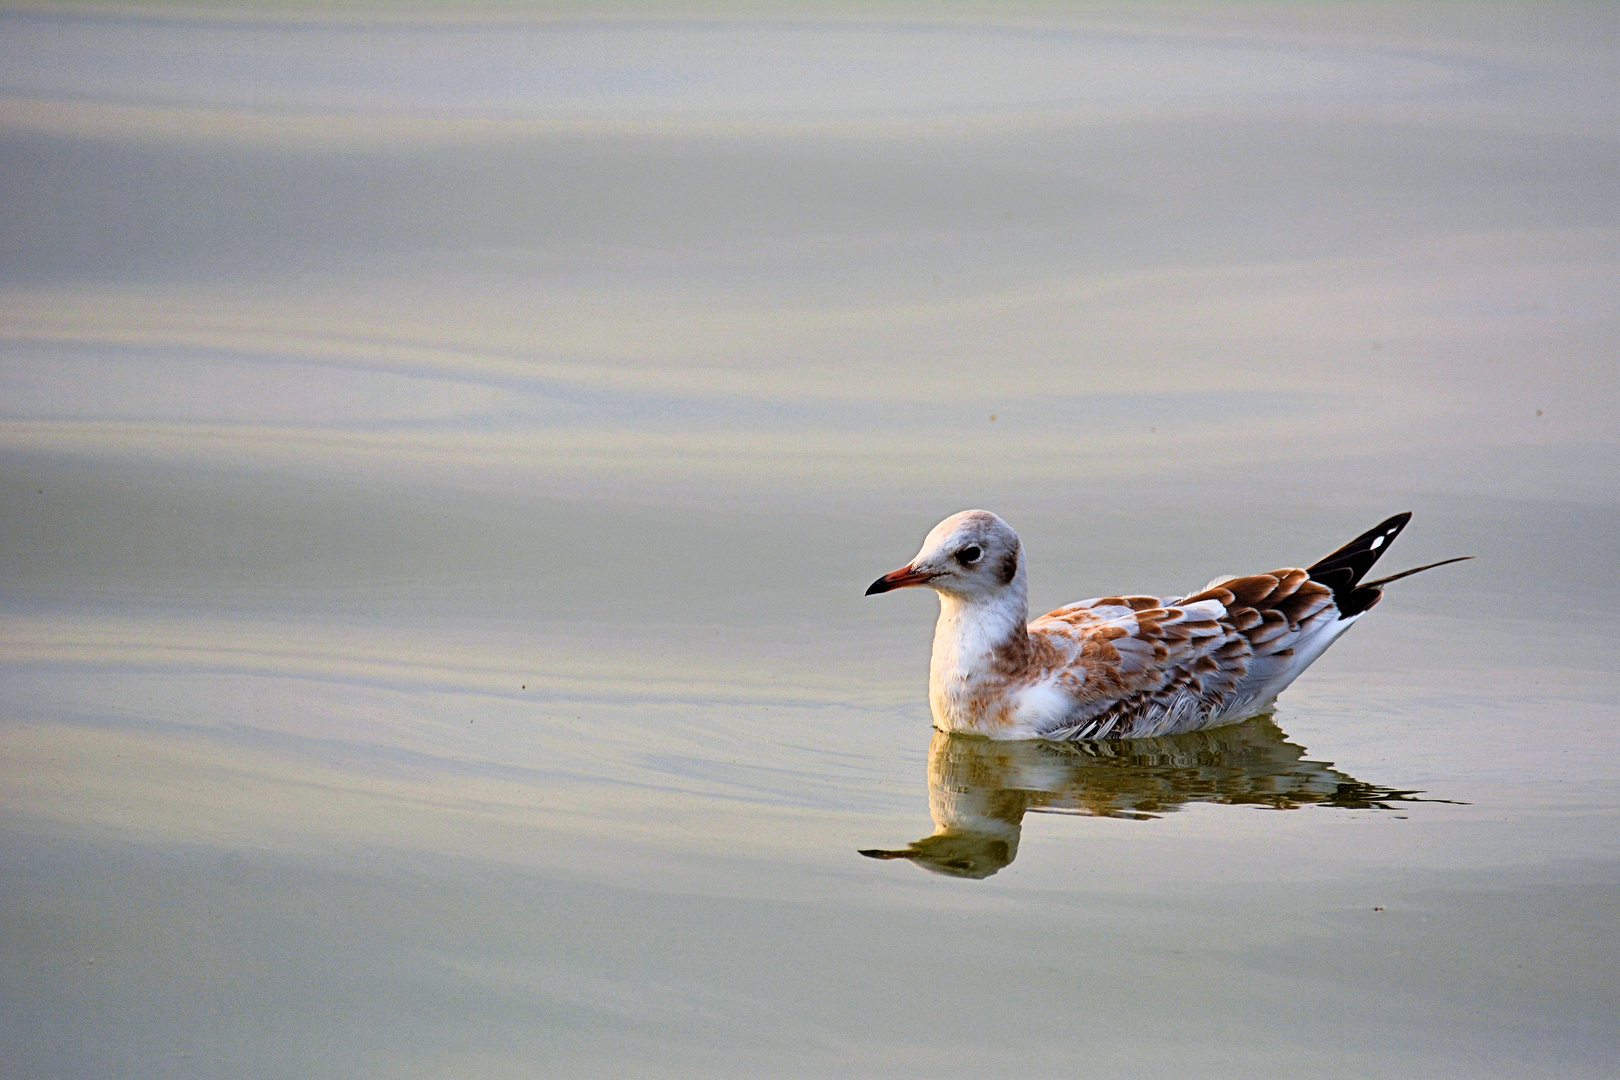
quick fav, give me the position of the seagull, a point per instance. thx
(1124, 666)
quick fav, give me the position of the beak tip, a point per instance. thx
(879, 853)
(898, 579)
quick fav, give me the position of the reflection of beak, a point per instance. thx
(898, 579)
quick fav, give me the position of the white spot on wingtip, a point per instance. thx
(1378, 541)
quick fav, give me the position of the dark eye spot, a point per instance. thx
(1009, 566)
(969, 555)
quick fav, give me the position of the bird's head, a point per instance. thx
(973, 555)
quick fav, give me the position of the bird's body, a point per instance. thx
(1122, 666)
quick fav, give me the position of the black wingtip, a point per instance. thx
(1359, 554)
(1343, 570)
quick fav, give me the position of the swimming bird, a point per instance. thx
(1124, 666)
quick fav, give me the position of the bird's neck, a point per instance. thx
(977, 640)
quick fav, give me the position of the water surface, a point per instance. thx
(441, 455)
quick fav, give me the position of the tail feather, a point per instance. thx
(1415, 570)
(1343, 570)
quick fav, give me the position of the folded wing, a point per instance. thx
(1135, 666)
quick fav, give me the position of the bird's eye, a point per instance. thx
(969, 555)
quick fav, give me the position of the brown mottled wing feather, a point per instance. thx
(1290, 593)
(1276, 613)
(1145, 665)
(1121, 658)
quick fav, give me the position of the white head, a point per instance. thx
(971, 556)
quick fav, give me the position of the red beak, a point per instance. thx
(898, 579)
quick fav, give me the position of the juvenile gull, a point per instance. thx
(1123, 666)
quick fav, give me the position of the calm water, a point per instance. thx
(441, 456)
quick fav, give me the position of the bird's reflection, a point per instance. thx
(979, 789)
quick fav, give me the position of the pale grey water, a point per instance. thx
(443, 455)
